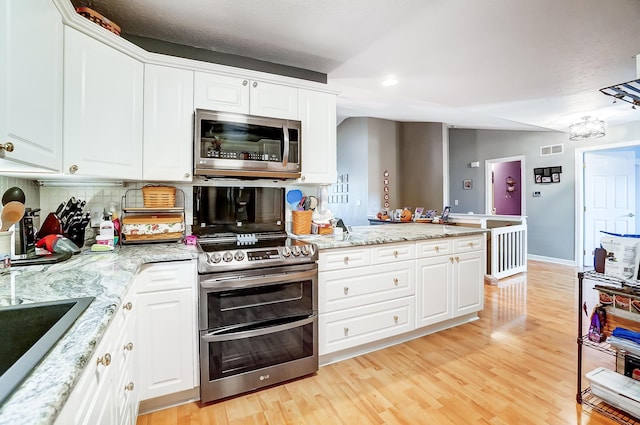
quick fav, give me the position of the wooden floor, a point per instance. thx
(516, 365)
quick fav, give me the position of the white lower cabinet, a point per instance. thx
(359, 302)
(450, 279)
(106, 392)
(167, 328)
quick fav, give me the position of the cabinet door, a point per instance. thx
(273, 100)
(166, 333)
(31, 84)
(434, 290)
(102, 110)
(468, 283)
(168, 124)
(317, 111)
(221, 93)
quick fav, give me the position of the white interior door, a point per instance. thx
(609, 197)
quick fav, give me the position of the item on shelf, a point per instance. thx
(159, 196)
(152, 227)
(616, 389)
(622, 256)
(94, 16)
(598, 322)
(632, 367)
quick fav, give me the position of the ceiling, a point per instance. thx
(499, 64)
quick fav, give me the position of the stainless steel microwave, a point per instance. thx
(237, 145)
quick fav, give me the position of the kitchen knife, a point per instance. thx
(60, 209)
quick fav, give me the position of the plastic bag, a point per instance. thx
(598, 322)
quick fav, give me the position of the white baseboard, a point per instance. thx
(551, 260)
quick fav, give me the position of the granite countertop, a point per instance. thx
(374, 235)
(105, 276)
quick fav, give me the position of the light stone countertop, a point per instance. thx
(390, 233)
(105, 276)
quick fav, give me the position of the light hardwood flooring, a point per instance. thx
(516, 365)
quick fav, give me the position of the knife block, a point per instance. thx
(51, 226)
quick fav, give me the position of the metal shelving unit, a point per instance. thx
(132, 204)
(586, 397)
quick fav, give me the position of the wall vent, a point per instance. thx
(551, 150)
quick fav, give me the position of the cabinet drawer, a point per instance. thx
(337, 259)
(468, 244)
(356, 287)
(166, 276)
(345, 329)
(391, 253)
(434, 247)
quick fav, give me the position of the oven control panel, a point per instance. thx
(243, 258)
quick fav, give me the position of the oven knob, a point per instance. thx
(295, 250)
(286, 251)
(228, 256)
(215, 257)
(239, 256)
(306, 250)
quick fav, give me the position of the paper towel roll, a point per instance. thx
(323, 198)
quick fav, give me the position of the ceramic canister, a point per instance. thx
(5, 252)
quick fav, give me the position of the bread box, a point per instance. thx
(152, 227)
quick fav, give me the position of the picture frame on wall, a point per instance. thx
(555, 177)
(546, 179)
(538, 178)
(467, 184)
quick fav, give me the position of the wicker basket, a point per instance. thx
(94, 16)
(301, 222)
(159, 196)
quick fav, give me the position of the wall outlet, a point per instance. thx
(537, 194)
(455, 202)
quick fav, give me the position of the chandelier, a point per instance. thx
(587, 128)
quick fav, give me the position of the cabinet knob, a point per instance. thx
(128, 306)
(255, 84)
(346, 290)
(7, 147)
(395, 281)
(187, 175)
(128, 347)
(74, 168)
(457, 259)
(245, 82)
(395, 254)
(395, 319)
(105, 360)
(302, 178)
(346, 331)
(129, 386)
(436, 248)
(451, 259)
(346, 259)
(470, 244)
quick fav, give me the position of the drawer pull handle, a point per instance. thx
(395, 281)
(129, 386)
(395, 319)
(346, 290)
(105, 360)
(129, 347)
(395, 254)
(346, 259)
(128, 306)
(8, 147)
(346, 331)
(436, 248)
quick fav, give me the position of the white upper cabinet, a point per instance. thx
(317, 111)
(103, 92)
(232, 94)
(30, 84)
(168, 124)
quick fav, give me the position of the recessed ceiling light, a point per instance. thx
(390, 81)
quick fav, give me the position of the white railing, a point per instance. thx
(508, 250)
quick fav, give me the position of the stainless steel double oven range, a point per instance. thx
(258, 289)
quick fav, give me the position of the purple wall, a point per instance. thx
(507, 203)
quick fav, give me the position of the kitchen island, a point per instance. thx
(105, 276)
(382, 285)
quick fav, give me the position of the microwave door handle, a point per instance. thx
(285, 153)
(240, 334)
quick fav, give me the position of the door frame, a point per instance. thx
(579, 192)
(488, 183)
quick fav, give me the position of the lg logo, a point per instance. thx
(264, 377)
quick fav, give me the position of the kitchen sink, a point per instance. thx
(28, 332)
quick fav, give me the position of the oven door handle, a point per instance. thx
(241, 281)
(251, 331)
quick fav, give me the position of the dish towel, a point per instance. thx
(626, 334)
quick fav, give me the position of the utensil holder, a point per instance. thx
(301, 222)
